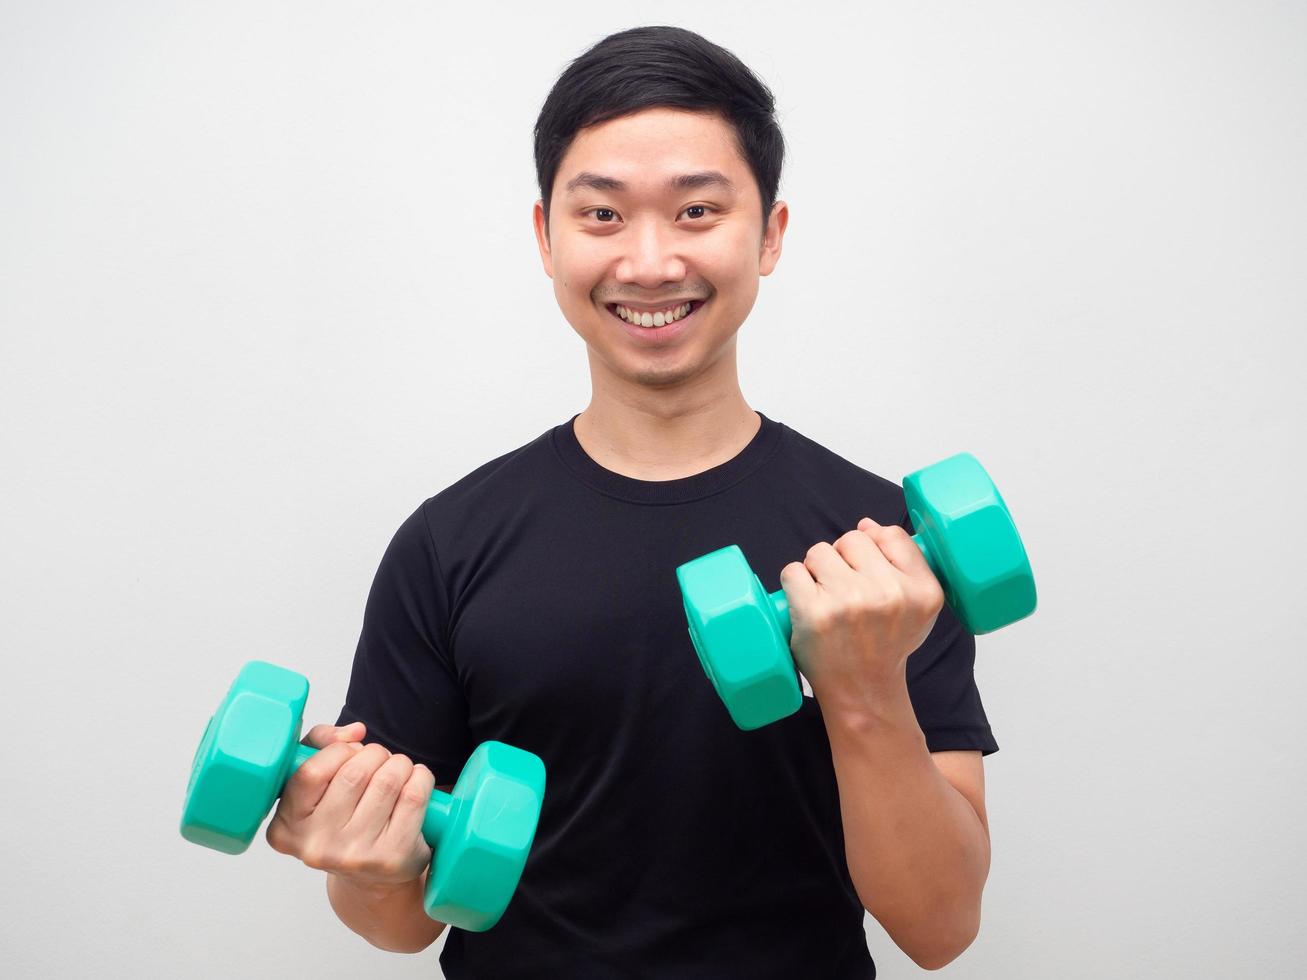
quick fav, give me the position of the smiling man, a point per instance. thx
(534, 601)
(655, 243)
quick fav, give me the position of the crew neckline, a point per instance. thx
(678, 491)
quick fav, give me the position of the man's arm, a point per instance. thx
(389, 917)
(916, 835)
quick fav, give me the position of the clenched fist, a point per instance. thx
(355, 810)
(860, 607)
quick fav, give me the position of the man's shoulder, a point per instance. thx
(825, 472)
(503, 478)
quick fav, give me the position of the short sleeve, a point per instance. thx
(403, 686)
(942, 686)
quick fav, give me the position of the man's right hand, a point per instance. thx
(355, 810)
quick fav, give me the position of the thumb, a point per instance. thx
(320, 736)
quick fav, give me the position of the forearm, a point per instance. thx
(917, 851)
(389, 917)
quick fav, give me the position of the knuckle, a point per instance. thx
(308, 776)
(414, 797)
(366, 862)
(387, 782)
(875, 601)
(318, 770)
(276, 836)
(375, 753)
(934, 597)
(891, 599)
(863, 599)
(352, 775)
(354, 861)
(392, 776)
(317, 855)
(863, 606)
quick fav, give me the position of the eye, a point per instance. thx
(599, 212)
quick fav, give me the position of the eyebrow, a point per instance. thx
(681, 182)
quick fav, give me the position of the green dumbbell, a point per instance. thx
(965, 532)
(480, 834)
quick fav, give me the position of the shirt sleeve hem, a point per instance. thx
(960, 739)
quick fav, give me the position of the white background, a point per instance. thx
(267, 280)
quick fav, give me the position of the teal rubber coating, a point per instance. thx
(480, 833)
(741, 636)
(965, 532)
(968, 537)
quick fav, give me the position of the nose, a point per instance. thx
(651, 256)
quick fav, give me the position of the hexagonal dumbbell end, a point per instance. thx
(742, 636)
(967, 535)
(482, 833)
(964, 531)
(244, 758)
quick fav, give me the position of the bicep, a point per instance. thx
(403, 684)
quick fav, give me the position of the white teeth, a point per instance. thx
(661, 318)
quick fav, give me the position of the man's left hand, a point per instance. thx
(859, 608)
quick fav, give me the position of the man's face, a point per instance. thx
(652, 245)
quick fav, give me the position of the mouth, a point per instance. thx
(654, 331)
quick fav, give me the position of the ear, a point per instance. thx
(771, 241)
(542, 237)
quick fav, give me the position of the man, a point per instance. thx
(535, 602)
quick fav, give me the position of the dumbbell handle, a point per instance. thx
(440, 808)
(781, 605)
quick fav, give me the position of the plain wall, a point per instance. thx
(268, 280)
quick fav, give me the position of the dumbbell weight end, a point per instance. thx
(480, 834)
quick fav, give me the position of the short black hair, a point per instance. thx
(656, 67)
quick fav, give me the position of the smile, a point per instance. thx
(662, 326)
(653, 318)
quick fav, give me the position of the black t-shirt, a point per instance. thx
(535, 602)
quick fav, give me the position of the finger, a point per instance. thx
(411, 807)
(320, 736)
(826, 565)
(798, 583)
(896, 544)
(304, 790)
(876, 580)
(348, 785)
(378, 800)
(860, 548)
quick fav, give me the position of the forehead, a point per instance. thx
(655, 151)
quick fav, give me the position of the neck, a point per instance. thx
(652, 434)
